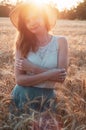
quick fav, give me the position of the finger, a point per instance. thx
(19, 58)
(19, 61)
(60, 80)
(62, 71)
(19, 67)
(63, 74)
(61, 77)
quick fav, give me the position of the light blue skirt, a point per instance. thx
(26, 98)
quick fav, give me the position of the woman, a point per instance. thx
(40, 58)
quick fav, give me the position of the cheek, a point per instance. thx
(35, 22)
(41, 23)
(27, 25)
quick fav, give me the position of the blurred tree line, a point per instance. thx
(78, 12)
(6, 6)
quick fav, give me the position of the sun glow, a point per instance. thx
(38, 2)
(60, 4)
(66, 4)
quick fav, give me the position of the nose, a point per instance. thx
(33, 24)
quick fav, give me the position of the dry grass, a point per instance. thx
(71, 95)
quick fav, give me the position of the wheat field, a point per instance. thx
(71, 95)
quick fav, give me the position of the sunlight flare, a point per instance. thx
(66, 4)
(38, 2)
(60, 4)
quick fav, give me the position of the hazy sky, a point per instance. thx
(61, 4)
(66, 3)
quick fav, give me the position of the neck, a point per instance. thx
(43, 38)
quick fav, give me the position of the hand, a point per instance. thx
(59, 75)
(62, 76)
(24, 64)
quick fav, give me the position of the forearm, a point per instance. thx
(29, 67)
(41, 70)
(26, 80)
(32, 68)
(38, 70)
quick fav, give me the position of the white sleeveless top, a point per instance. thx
(45, 57)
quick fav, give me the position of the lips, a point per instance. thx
(34, 27)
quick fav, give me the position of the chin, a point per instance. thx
(35, 30)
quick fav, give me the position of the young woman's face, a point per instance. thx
(34, 22)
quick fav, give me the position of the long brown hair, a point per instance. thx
(27, 40)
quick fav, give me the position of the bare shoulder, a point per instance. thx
(17, 54)
(62, 42)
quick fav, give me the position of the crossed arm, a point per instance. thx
(42, 74)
